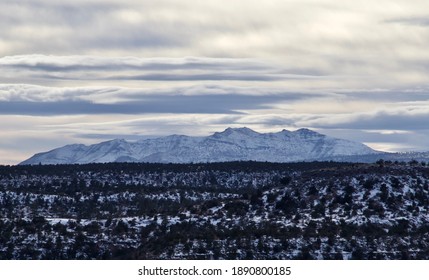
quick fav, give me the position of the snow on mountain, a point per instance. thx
(232, 144)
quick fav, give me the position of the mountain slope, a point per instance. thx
(230, 145)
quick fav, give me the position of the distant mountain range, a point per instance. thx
(233, 144)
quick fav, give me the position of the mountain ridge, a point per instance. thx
(232, 144)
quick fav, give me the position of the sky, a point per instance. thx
(93, 70)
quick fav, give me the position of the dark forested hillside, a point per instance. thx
(235, 210)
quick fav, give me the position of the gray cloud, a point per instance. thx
(316, 36)
(88, 69)
(201, 77)
(103, 95)
(40, 101)
(42, 68)
(94, 63)
(418, 21)
(392, 141)
(406, 118)
(79, 26)
(387, 95)
(409, 119)
(116, 26)
(151, 104)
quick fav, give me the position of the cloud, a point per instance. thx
(171, 104)
(384, 140)
(386, 95)
(406, 118)
(326, 44)
(77, 63)
(417, 21)
(88, 69)
(82, 68)
(309, 37)
(41, 101)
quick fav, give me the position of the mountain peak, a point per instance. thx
(242, 130)
(236, 130)
(117, 141)
(306, 131)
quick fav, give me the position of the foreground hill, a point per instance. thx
(233, 144)
(235, 210)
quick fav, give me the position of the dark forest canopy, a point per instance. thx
(180, 167)
(233, 210)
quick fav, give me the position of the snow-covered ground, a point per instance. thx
(312, 210)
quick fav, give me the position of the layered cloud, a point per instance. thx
(408, 117)
(39, 100)
(44, 69)
(384, 38)
(88, 70)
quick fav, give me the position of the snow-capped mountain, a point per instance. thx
(233, 144)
